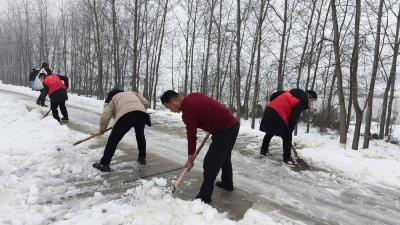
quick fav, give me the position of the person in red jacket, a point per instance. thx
(281, 116)
(56, 87)
(200, 111)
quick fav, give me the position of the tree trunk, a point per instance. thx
(390, 80)
(353, 77)
(238, 49)
(117, 75)
(262, 16)
(370, 98)
(389, 115)
(280, 67)
(135, 46)
(204, 87)
(338, 74)
(301, 63)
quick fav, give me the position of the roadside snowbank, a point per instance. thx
(378, 165)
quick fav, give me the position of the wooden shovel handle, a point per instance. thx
(186, 170)
(90, 137)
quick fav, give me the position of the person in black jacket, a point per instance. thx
(32, 75)
(281, 116)
(44, 70)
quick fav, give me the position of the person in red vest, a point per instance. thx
(281, 116)
(56, 87)
(201, 111)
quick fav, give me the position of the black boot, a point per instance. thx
(203, 199)
(290, 162)
(141, 160)
(224, 186)
(65, 119)
(101, 167)
(264, 153)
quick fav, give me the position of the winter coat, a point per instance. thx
(201, 111)
(283, 111)
(32, 74)
(56, 86)
(121, 104)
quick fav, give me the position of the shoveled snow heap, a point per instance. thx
(150, 204)
(38, 162)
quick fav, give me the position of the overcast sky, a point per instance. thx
(52, 4)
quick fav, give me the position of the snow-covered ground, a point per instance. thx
(32, 171)
(38, 161)
(378, 165)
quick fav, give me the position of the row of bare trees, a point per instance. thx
(238, 52)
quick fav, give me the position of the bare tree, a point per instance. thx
(261, 18)
(117, 74)
(238, 50)
(390, 80)
(280, 67)
(370, 97)
(353, 77)
(338, 74)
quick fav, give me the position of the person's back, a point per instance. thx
(209, 114)
(56, 86)
(201, 111)
(129, 110)
(53, 83)
(128, 101)
(281, 116)
(284, 104)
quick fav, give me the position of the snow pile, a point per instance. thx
(151, 204)
(378, 165)
(35, 163)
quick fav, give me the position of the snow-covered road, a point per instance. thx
(311, 197)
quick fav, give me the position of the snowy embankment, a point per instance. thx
(38, 164)
(378, 165)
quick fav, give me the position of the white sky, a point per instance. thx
(52, 4)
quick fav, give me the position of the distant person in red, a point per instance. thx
(200, 111)
(281, 116)
(56, 87)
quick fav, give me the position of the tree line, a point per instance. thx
(237, 52)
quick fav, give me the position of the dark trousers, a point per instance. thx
(54, 108)
(286, 141)
(218, 157)
(135, 119)
(42, 97)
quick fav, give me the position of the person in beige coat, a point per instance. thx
(129, 110)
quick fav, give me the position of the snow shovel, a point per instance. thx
(185, 170)
(47, 113)
(90, 137)
(301, 162)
